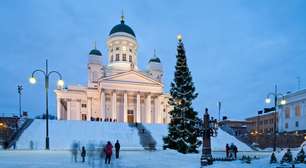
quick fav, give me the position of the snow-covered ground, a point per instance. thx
(63, 133)
(128, 159)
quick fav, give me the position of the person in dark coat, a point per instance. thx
(227, 150)
(235, 151)
(83, 154)
(108, 152)
(117, 147)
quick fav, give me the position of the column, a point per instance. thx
(138, 112)
(114, 105)
(68, 109)
(78, 110)
(89, 102)
(103, 115)
(148, 109)
(157, 110)
(58, 108)
(125, 105)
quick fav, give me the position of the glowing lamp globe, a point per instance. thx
(283, 102)
(60, 83)
(268, 100)
(32, 80)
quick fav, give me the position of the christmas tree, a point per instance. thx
(182, 128)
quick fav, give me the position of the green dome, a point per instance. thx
(122, 28)
(95, 52)
(154, 59)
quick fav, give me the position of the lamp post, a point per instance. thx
(276, 103)
(209, 130)
(19, 88)
(60, 83)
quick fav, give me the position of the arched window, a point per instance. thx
(287, 112)
(298, 110)
(123, 57)
(130, 58)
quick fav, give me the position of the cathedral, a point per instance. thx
(118, 91)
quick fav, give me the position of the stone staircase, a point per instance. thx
(241, 138)
(146, 139)
(13, 139)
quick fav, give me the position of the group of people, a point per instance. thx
(106, 152)
(101, 119)
(231, 151)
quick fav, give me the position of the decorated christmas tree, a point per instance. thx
(182, 128)
(273, 158)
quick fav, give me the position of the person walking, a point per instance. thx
(83, 154)
(108, 152)
(227, 150)
(235, 151)
(117, 147)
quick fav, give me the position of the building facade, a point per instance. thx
(292, 116)
(119, 90)
(263, 123)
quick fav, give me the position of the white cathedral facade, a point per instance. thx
(118, 91)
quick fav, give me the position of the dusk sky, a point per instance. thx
(236, 50)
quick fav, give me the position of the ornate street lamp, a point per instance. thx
(210, 126)
(276, 103)
(19, 89)
(60, 83)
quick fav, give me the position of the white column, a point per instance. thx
(89, 102)
(68, 109)
(103, 115)
(125, 105)
(157, 115)
(148, 109)
(58, 108)
(78, 110)
(114, 105)
(138, 112)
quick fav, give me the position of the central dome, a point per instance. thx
(122, 27)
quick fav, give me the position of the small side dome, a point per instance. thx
(154, 63)
(95, 52)
(154, 59)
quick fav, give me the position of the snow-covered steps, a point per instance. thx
(63, 133)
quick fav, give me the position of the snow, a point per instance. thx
(128, 159)
(63, 133)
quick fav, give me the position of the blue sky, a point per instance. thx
(237, 50)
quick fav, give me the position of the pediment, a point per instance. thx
(131, 77)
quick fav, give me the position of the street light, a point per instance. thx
(19, 88)
(276, 103)
(60, 83)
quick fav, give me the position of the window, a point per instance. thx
(286, 125)
(117, 48)
(84, 117)
(287, 112)
(298, 110)
(117, 57)
(130, 112)
(84, 105)
(296, 124)
(131, 50)
(130, 58)
(123, 57)
(112, 58)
